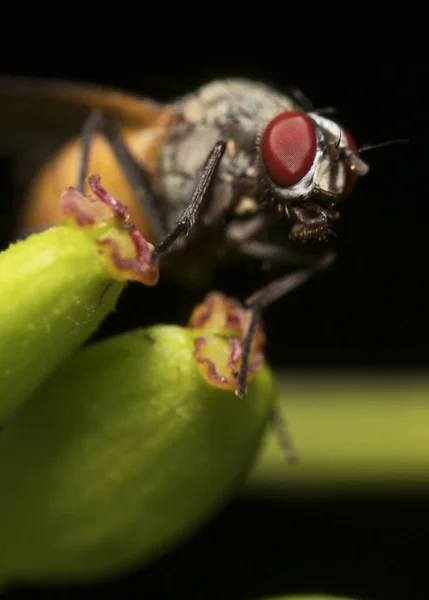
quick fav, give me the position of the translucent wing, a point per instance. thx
(40, 123)
(43, 109)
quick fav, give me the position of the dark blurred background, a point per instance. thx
(368, 312)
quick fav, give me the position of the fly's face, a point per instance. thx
(308, 164)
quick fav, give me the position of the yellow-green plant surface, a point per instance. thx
(353, 434)
(56, 289)
(122, 453)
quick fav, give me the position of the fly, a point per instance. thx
(221, 171)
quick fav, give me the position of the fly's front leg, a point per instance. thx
(133, 171)
(191, 212)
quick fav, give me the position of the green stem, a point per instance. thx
(352, 433)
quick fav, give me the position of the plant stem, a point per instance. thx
(353, 433)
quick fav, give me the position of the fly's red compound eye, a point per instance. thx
(288, 147)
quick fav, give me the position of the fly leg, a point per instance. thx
(190, 214)
(256, 303)
(241, 235)
(266, 296)
(133, 171)
(274, 253)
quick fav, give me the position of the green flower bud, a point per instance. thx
(121, 454)
(57, 287)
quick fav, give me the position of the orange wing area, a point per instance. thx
(30, 108)
(41, 209)
(33, 110)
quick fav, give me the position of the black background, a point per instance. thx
(369, 312)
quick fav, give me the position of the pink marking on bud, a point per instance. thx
(129, 253)
(212, 376)
(119, 209)
(221, 324)
(84, 210)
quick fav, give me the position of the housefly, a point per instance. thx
(233, 169)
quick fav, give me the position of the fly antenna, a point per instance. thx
(366, 147)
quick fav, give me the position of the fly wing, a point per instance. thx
(38, 118)
(49, 110)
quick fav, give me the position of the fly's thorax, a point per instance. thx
(235, 111)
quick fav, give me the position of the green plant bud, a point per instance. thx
(57, 286)
(121, 454)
